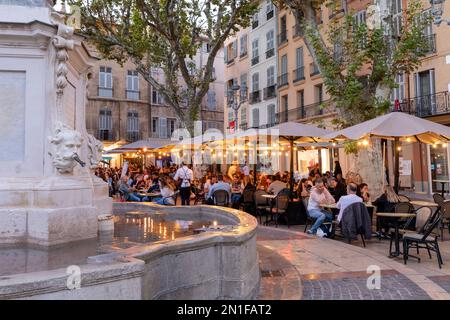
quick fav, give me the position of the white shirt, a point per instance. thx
(344, 202)
(186, 175)
(246, 170)
(316, 198)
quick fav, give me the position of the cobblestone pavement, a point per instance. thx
(298, 266)
(351, 286)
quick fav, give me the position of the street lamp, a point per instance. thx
(236, 96)
(437, 10)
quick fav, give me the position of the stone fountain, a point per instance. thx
(48, 193)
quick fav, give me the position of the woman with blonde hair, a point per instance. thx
(167, 187)
(385, 203)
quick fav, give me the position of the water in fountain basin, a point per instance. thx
(130, 229)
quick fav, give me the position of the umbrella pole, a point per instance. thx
(291, 182)
(397, 165)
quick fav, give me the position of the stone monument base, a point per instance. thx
(48, 211)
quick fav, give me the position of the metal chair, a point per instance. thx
(199, 196)
(221, 198)
(403, 198)
(445, 209)
(403, 207)
(280, 207)
(248, 201)
(261, 203)
(423, 216)
(423, 240)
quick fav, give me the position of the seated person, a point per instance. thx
(167, 191)
(319, 195)
(363, 192)
(347, 200)
(276, 186)
(220, 185)
(387, 201)
(155, 183)
(304, 188)
(236, 191)
(337, 189)
(127, 191)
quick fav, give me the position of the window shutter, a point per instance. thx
(163, 128)
(255, 118)
(225, 54)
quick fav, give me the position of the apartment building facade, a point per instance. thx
(250, 62)
(123, 107)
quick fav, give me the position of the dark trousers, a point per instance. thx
(185, 194)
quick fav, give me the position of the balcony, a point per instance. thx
(427, 105)
(270, 53)
(297, 31)
(133, 136)
(243, 126)
(255, 60)
(299, 74)
(270, 92)
(255, 24)
(306, 112)
(282, 37)
(283, 80)
(243, 54)
(431, 44)
(255, 97)
(269, 15)
(132, 94)
(230, 61)
(313, 69)
(105, 92)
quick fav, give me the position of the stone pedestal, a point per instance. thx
(46, 197)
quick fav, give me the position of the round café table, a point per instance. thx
(395, 217)
(424, 204)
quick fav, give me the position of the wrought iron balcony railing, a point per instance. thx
(282, 80)
(255, 97)
(299, 74)
(425, 106)
(270, 92)
(282, 37)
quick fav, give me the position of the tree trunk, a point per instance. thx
(369, 165)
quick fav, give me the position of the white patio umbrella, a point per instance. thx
(395, 126)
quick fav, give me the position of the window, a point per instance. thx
(283, 31)
(105, 82)
(244, 45)
(299, 73)
(270, 76)
(284, 108)
(155, 127)
(269, 9)
(359, 18)
(207, 47)
(255, 21)
(243, 115)
(319, 93)
(230, 118)
(255, 116)
(399, 93)
(163, 128)
(133, 126)
(244, 87)
(255, 82)
(132, 85)
(301, 104)
(170, 127)
(270, 44)
(428, 33)
(157, 97)
(235, 48)
(271, 115)
(284, 76)
(255, 52)
(105, 124)
(397, 17)
(211, 102)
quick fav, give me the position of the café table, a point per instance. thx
(269, 196)
(150, 195)
(419, 203)
(442, 182)
(395, 217)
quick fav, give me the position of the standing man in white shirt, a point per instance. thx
(347, 200)
(246, 169)
(186, 175)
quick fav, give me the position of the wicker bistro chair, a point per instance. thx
(199, 195)
(403, 198)
(424, 240)
(439, 199)
(445, 209)
(221, 198)
(248, 202)
(281, 203)
(261, 204)
(423, 215)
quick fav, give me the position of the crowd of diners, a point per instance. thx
(315, 187)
